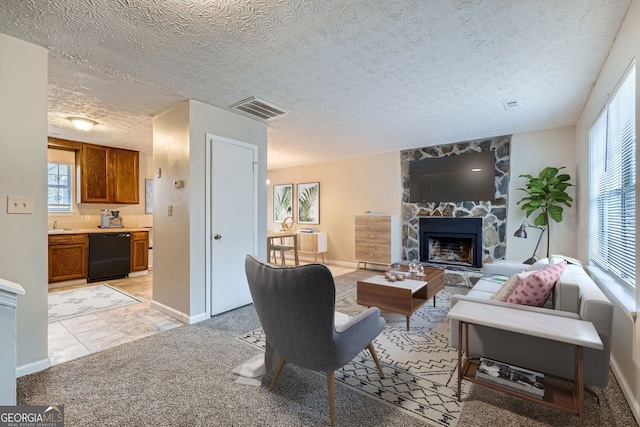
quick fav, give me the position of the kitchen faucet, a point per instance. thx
(55, 224)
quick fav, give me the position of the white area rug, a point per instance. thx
(76, 302)
(419, 364)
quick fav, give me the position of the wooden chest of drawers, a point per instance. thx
(377, 239)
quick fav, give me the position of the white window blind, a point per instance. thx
(59, 188)
(612, 185)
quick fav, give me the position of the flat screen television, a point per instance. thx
(455, 178)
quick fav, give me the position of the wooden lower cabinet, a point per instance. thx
(139, 250)
(68, 257)
(315, 243)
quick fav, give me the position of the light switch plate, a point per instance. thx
(19, 205)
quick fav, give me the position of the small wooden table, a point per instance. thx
(279, 235)
(575, 332)
(403, 297)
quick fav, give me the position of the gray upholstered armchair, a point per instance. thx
(296, 308)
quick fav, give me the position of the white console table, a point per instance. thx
(574, 332)
(9, 292)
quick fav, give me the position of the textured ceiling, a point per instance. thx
(358, 76)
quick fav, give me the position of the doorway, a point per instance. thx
(232, 220)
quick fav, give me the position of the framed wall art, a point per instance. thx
(309, 203)
(282, 202)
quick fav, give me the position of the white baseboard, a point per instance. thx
(30, 368)
(327, 261)
(198, 318)
(626, 390)
(178, 315)
(345, 264)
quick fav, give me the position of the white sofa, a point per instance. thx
(575, 295)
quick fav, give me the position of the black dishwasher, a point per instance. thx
(109, 256)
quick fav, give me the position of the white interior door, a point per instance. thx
(233, 221)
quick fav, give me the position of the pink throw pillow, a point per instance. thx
(508, 287)
(535, 289)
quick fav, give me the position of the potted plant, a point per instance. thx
(546, 193)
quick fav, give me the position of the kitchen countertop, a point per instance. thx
(95, 230)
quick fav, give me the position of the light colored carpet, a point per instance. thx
(347, 282)
(76, 302)
(419, 364)
(183, 377)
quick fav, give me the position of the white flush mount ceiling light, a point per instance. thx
(82, 123)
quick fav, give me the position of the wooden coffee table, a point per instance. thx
(403, 297)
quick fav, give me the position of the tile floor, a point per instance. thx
(82, 335)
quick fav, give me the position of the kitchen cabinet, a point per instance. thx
(377, 239)
(139, 250)
(108, 175)
(68, 257)
(126, 182)
(95, 181)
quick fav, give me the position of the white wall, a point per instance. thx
(625, 351)
(23, 144)
(530, 153)
(180, 239)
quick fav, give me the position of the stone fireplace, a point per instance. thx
(451, 241)
(490, 240)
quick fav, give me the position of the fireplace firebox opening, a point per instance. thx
(451, 241)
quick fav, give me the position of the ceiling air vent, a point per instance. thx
(259, 108)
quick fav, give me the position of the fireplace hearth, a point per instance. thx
(451, 241)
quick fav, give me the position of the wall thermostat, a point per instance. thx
(178, 183)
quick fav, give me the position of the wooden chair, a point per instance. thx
(281, 248)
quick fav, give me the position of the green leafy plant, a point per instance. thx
(282, 203)
(546, 193)
(306, 202)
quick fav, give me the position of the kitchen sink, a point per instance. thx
(62, 229)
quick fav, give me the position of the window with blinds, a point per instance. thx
(612, 185)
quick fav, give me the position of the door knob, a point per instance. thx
(217, 237)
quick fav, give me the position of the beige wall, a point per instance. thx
(625, 352)
(530, 153)
(170, 234)
(347, 187)
(23, 162)
(354, 185)
(180, 240)
(132, 215)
